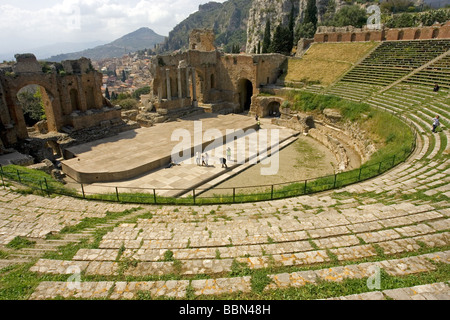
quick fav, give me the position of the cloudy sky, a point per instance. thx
(27, 24)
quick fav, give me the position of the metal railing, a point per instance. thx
(198, 196)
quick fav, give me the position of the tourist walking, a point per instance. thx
(223, 161)
(435, 124)
(203, 160)
(197, 158)
(229, 154)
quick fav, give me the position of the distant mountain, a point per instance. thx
(228, 20)
(46, 51)
(143, 38)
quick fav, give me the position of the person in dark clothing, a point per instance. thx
(223, 161)
(436, 87)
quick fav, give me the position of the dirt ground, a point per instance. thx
(303, 159)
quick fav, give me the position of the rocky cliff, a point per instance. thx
(278, 12)
(227, 19)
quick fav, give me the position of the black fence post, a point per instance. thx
(271, 193)
(18, 176)
(46, 187)
(42, 190)
(193, 194)
(117, 194)
(1, 173)
(82, 191)
(304, 190)
(334, 183)
(154, 196)
(234, 194)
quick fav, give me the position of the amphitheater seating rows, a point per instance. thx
(392, 60)
(398, 222)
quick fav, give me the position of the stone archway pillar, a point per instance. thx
(194, 89)
(188, 93)
(169, 93)
(180, 90)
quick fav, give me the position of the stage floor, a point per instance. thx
(187, 175)
(132, 153)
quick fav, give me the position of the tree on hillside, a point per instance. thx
(311, 13)
(329, 12)
(281, 42)
(267, 37)
(307, 28)
(291, 28)
(107, 95)
(352, 15)
(304, 30)
(124, 76)
(396, 6)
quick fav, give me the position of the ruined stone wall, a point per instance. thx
(185, 79)
(351, 34)
(70, 93)
(202, 40)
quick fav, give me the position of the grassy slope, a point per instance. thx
(326, 62)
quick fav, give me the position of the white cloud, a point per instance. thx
(25, 25)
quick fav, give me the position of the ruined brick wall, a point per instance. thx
(351, 34)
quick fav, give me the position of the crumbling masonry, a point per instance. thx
(72, 96)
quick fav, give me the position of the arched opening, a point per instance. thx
(435, 34)
(339, 37)
(400, 35)
(417, 34)
(33, 99)
(90, 98)
(353, 37)
(367, 37)
(54, 146)
(325, 38)
(74, 100)
(245, 91)
(213, 82)
(273, 109)
(200, 86)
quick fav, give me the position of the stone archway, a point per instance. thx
(273, 109)
(51, 103)
(245, 92)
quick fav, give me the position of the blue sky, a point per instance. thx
(29, 24)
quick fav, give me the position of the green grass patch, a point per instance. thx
(19, 243)
(38, 181)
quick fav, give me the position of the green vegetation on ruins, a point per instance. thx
(391, 135)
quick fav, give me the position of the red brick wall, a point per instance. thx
(425, 33)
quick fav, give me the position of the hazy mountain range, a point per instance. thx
(143, 38)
